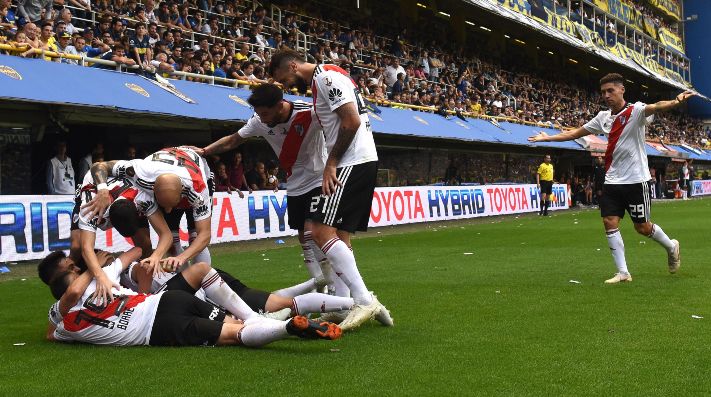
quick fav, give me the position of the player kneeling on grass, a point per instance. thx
(626, 186)
(174, 317)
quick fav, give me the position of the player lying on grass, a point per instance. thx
(173, 317)
(282, 304)
(626, 186)
(122, 214)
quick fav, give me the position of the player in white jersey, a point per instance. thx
(125, 214)
(349, 176)
(170, 318)
(626, 186)
(293, 132)
(181, 182)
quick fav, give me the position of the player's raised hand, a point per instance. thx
(684, 96)
(540, 137)
(98, 205)
(330, 180)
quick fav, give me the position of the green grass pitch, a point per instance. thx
(505, 320)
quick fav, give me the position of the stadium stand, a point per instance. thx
(230, 42)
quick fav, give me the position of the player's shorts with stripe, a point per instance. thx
(546, 187)
(184, 320)
(298, 208)
(348, 208)
(633, 198)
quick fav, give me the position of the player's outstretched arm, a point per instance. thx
(103, 284)
(664, 106)
(222, 145)
(130, 256)
(563, 136)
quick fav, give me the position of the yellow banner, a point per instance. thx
(627, 13)
(670, 7)
(520, 6)
(601, 4)
(649, 27)
(670, 39)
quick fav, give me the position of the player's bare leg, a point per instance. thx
(617, 249)
(656, 233)
(259, 331)
(308, 303)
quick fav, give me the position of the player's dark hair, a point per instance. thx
(612, 78)
(59, 285)
(48, 266)
(282, 57)
(265, 95)
(124, 217)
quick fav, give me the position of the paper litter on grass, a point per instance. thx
(574, 282)
(468, 253)
(697, 317)
(19, 344)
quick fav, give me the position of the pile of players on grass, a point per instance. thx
(165, 295)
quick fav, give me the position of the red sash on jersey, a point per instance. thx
(184, 160)
(617, 127)
(85, 318)
(294, 138)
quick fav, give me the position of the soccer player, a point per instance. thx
(170, 318)
(349, 175)
(123, 214)
(544, 180)
(626, 186)
(292, 130)
(181, 182)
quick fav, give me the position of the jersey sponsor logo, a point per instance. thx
(334, 94)
(202, 210)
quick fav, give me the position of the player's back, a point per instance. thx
(333, 88)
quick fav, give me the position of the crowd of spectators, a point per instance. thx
(234, 39)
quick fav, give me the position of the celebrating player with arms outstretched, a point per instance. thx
(626, 186)
(349, 176)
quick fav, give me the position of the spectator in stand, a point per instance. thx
(222, 180)
(243, 53)
(150, 11)
(392, 71)
(257, 38)
(117, 29)
(65, 16)
(140, 47)
(399, 85)
(272, 176)
(130, 153)
(63, 46)
(31, 10)
(60, 172)
(237, 177)
(256, 177)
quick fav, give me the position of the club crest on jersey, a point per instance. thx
(623, 119)
(299, 129)
(334, 93)
(328, 81)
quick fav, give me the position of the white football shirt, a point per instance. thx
(626, 155)
(298, 142)
(127, 321)
(189, 166)
(119, 189)
(332, 88)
